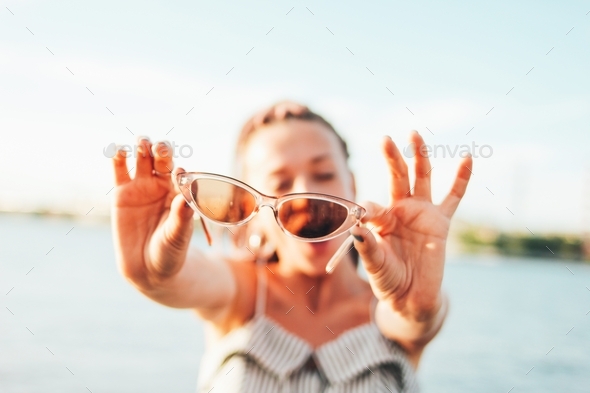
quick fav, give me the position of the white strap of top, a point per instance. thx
(260, 288)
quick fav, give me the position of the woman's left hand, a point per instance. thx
(403, 245)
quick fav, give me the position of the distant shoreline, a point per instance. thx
(481, 240)
(58, 214)
(92, 216)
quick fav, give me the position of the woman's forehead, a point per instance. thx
(291, 144)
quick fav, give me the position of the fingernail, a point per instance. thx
(163, 150)
(357, 237)
(121, 151)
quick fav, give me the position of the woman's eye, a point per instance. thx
(282, 186)
(324, 176)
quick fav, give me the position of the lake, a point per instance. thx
(69, 322)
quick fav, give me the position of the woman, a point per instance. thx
(283, 324)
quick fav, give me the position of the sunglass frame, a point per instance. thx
(355, 211)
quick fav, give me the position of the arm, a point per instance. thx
(152, 227)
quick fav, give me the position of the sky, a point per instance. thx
(508, 77)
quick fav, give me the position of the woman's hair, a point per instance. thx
(279, 112)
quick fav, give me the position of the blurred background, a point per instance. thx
(506, 81)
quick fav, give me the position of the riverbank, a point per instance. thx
(473, 239)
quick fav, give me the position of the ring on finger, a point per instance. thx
(155, 172)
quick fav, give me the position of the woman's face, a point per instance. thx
(297, 156)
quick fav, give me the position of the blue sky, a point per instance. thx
(446, 65)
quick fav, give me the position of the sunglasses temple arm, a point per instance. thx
(339, 254)
(207, 234)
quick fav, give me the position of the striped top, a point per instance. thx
(262, 357)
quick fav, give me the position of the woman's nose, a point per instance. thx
(302, 184)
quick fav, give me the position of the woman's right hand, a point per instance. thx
(152, 225)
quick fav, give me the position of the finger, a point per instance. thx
(180, 214)
(375, 213)
(371, 254)
(400, 185)
(145, 162)
(162, 153)
(175, 172)
(120, 167)
(451, 201)
(422, 167)
(187, 193)
(178, 226)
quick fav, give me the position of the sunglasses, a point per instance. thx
(310, 217)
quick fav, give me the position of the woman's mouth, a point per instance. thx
(319, 247)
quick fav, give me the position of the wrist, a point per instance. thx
(435, 319)
(412, 327)
(419, 309)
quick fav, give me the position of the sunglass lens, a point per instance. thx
(312, 218)
(222, 201)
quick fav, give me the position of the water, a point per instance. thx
(73, 324)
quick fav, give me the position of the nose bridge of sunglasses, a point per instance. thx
(267, 201)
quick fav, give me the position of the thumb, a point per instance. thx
(169, 251)
(178, 227)
(366, 244)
